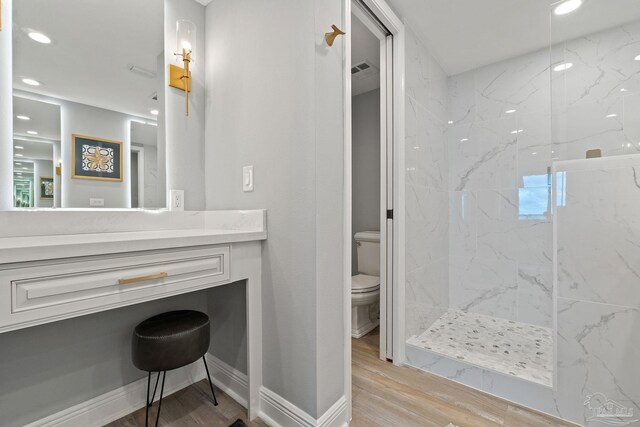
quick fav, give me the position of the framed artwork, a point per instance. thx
(46, 187)
(96, 158)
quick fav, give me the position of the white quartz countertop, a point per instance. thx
(42, 247)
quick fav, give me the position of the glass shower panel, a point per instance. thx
(595, 56)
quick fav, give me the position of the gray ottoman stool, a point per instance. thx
(170, 341)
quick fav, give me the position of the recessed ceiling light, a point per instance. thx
(23, 117)
(563, 67)
(567, 7)
(637, 58)
(464, 139)
(32, 132)
(534, 153)
(624, 90)
(18, 147)
(31, 82)
(517, 131)
(450, 122)
(611, 115)
(154, 112)
(39, 37)
(510, 111)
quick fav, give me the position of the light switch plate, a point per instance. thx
(247, 178)
(94, 203)
(176, 198)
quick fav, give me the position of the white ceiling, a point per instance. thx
(33, 149)
(45, 118)
(94, 42)
(467, 34)
(365, 46)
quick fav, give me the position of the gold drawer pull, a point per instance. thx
(143, 278)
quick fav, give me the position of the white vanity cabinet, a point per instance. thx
(48, 278)
(43, 291)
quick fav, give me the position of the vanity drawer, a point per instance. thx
(95, 282)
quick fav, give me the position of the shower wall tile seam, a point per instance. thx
(604, 304)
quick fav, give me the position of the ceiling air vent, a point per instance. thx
(363, 69)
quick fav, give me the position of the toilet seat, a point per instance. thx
(362, 283)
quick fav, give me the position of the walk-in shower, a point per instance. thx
(523, 256)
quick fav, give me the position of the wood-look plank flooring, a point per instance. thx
(383, 395)
(387, 395)
(191, 407)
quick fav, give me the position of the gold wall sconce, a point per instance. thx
(180, 77)
(331, 37)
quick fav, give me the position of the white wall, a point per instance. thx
(91, 121)
(500, 257)
(598, 307)
(366, 166)
(274, 97)
(427, 201)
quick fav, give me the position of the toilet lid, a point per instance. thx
(364, 283)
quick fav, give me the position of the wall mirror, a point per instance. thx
(87, 101)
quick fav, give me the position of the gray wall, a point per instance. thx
(96, 122)
(41, 168)
(134, 180)
(185, 135)
(366, 166)
(152, 189)
(275, 102)
(6, 110)
(48, 368)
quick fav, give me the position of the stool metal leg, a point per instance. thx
(164, 375)
(146, 416)
(215, 401)
(150, 402)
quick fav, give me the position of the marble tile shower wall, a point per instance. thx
(596, 103)
(500, 224)
(598, 345)
(427, 184)
(510, 120)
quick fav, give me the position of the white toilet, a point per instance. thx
(365, 286)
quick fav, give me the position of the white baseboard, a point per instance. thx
(228, 379)
(279, 412)
(116, 404)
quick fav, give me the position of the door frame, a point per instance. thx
(392, 22)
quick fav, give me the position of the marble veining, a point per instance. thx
(513, 348)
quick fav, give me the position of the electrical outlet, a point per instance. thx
(177, 200)
(94, 203)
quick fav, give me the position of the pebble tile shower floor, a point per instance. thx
(519, 349)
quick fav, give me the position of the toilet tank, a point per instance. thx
(368, 249)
